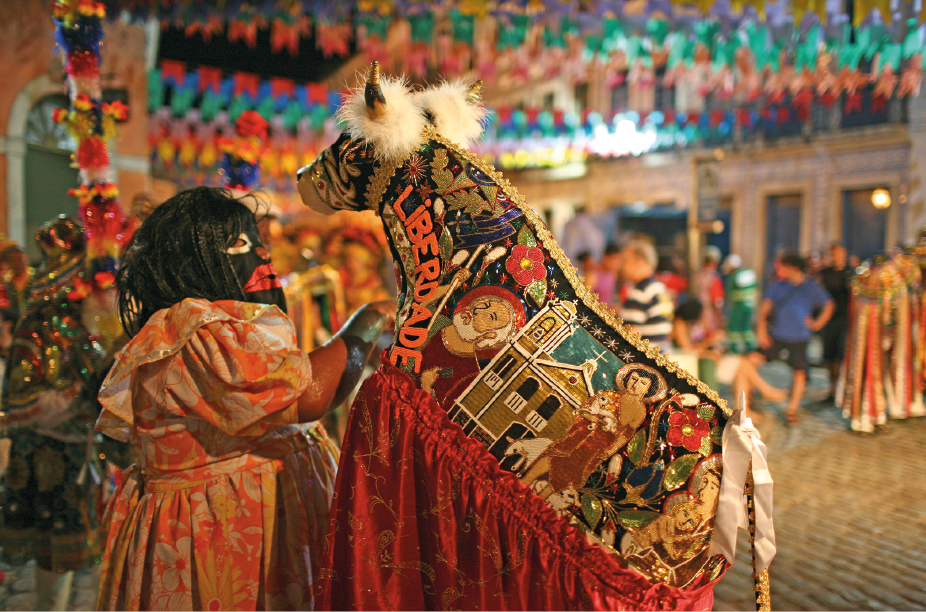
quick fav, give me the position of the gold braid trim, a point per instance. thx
(762, 585)
(377, 187)
(585, 294)
(384, 175)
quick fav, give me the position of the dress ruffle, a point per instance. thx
(242, 347)
(424, 518)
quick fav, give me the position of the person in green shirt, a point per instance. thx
(741, 290)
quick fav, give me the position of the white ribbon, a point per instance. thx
(742, 444)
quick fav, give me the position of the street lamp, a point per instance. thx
(881, 198)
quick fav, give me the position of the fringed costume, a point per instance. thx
(50, 500)
(881, 373)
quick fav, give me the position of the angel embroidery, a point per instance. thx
(604, 425)
(673, 547)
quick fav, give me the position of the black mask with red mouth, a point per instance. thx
(251, 262)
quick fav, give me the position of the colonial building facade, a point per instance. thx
(802, 191)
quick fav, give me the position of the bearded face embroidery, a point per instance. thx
(483, 324)
(251, 262)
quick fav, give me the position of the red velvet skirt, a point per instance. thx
(423, 518)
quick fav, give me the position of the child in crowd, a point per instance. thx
(689, 337)
(741, 293)
(647, 307)
(588, 269)
(707, 288)
(608, 271)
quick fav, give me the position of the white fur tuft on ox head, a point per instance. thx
(391, 128)
(389, 115)
(384, 121)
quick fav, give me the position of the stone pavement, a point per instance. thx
(850, 512)
(17, 590)
(850, 516)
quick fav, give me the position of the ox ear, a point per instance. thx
(373, 93)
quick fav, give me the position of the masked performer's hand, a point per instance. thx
(338, 364)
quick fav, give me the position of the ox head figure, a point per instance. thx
(384, 122)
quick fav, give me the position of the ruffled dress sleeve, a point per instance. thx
(236, 377)
(233, 364)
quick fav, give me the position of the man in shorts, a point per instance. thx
(791, 302)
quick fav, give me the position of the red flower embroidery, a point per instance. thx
(687, 429)
(526, 264)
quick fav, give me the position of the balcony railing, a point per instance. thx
(721, 124)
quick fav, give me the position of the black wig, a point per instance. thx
(179, 252)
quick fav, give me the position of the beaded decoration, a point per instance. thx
(496, 325)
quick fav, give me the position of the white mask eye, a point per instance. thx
(242, 245)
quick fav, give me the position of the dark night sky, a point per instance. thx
(309, 66)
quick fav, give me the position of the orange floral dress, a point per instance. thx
(227, 505)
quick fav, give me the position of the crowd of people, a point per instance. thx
(226, 501)
(724, 320)
(232, 500)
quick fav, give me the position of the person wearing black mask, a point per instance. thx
(227, 505)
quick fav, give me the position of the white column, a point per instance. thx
(916, 197)
(14, 145)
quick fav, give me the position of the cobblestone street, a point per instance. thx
(17, 591)
(850, 512)
(850, 517)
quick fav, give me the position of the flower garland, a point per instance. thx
(92, 122)
(729, 49)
